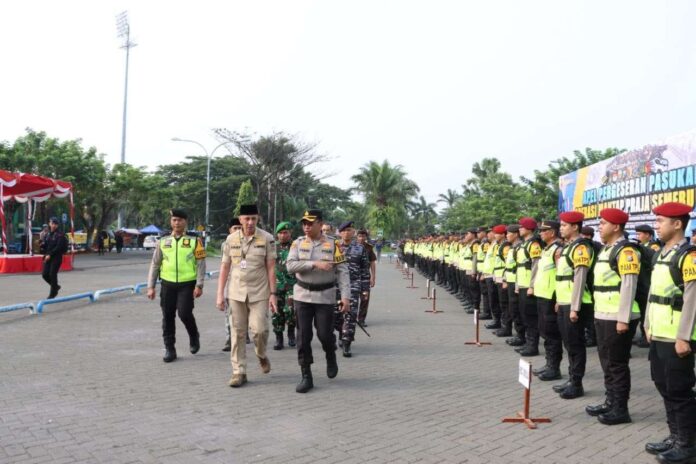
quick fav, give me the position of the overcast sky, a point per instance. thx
(432, 85)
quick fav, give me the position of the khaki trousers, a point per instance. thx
(246, 316)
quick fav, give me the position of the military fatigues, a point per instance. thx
(358, 261)
(180, 263)
(572, 294)
(314, 293)
(671, 315)
(365, 295)
(284, 287)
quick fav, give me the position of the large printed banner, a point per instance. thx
(635, 181)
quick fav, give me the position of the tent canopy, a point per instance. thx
(151, 229)
(129, 231)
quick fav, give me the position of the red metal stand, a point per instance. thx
(427, 291)
(477, 342)
(434, 310)
(411, 286)
(523, 417)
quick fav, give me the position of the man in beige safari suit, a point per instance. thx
(249, 255)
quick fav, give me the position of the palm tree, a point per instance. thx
(386, 190)
(449, 198)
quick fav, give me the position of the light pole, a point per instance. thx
(123, 29)
(209, 156)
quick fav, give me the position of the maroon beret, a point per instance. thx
(500, 229)
(528, 223)
(572, 217)
(614, 215)
(672, 209)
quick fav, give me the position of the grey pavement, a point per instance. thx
(86, 383)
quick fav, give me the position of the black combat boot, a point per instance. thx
(572, 391)
(484, 316)
(169, 354)
(291, 336)
(195, 343)
(539, 370)
(558, 388)
(661, 446)
(494, 324)
(603, 408)
(228, 344)
(331, 365)
(552, 373)
(307, 383)
(515, 341)
(346, 350)
(279, 341)
(682, 452)
(617, 415)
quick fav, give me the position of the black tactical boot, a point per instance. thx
(169, 354)
(528, 350)
(291, 336)
(307, 383)
(682, 452)
(331, 365)
(558, 388)
(515, 341)
(195, 344)
(485, 316)
(279, 341)
(494, 324)
(600, 408)
(572, 391)
(539, 370)
(503, 332)
(661, 446)
(346, 350)
(552, 373)
(228, 344)
(617, 415)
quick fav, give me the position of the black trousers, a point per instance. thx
(514, 310)
(177, 298)
(475, 290)
(573, 334)
(614, 350)
(493, 303)
(549, 331)
(50, 273)
(505, 320)
(530, 317)
(642, 301)
(674, 378)
(322, 316)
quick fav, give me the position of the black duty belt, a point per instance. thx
(676, 302)
(607, 288)
(561, 278)
(316, 287)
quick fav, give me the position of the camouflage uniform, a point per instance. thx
(358, 261)
(284, 285)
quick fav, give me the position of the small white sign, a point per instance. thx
(476, 318)
(525, 374)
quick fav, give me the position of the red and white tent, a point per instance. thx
(22, 188)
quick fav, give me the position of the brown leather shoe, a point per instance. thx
(265, 365)
(237, 380)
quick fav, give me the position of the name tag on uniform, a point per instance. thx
(243, 264)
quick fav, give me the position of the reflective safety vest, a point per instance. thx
(178, 259)
(666, 297)
(545, 278)
(511, 264)
(466, 257)
(565, 273)
(481, 256)
(524, 258)
(501, 253)
(607, 284)
(488, 261)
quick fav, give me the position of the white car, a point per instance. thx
(150, 242)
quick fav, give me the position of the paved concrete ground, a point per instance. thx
(85, 383)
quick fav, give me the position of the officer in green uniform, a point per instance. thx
(670, 325)
(616, 314)
(179, 261)
(284, 284)
(544, 288)
(573, 300)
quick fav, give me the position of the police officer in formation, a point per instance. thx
(179, 261)
(357, 259)
(365, 296)
(577, 283)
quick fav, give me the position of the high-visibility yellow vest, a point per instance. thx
(488, 260)
(527, 251)
(178, 259)
(545, 278)
(501, 253)
(511, 265)
(666, 298)
(565, 272)
(607, 284)
(467, 257)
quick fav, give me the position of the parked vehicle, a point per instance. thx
(150, 242)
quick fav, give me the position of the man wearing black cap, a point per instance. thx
(359, 271)
(514, 318)
(249, 262)
(645, 236)
(179, 261)
(318, 265)
(55, 245)
(233, 226)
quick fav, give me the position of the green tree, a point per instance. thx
(246, 196)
